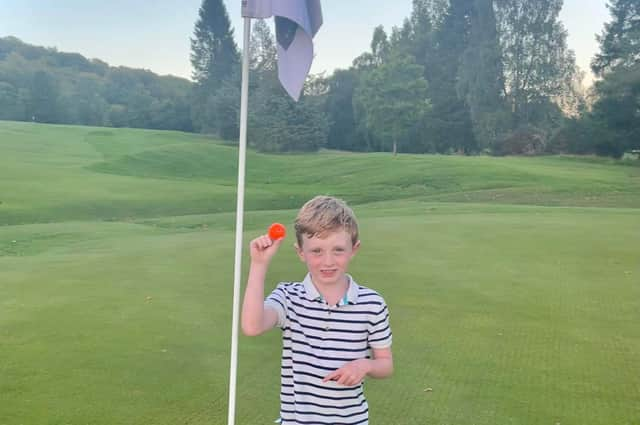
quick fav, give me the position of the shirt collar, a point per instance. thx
(312, 294)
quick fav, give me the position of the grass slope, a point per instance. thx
(61, 173)
(512, 282)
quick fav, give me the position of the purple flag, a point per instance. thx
(297, 21)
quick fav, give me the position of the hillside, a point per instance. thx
(60, 173)
(44, 85)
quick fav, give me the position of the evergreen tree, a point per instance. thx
(276, 122)
(339, 107)
(421, 42)
(214, 53)
(417, 38)
(620, 40)
(615, 112)
(279, 124)
(450, 120)
(225, 106)
(481, 82)
(215, 58)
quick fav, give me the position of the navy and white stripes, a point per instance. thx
(318, 339)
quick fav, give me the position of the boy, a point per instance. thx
(334, 331)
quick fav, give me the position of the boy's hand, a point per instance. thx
(263, 249)
(351, 373)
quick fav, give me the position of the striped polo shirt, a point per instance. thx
(318, 339)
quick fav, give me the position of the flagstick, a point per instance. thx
(239, 216)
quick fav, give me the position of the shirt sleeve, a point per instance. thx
(379, 328)
(277, 301)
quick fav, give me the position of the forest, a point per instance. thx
(456, 77)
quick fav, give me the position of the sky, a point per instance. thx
(155, 35)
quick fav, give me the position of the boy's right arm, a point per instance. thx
(255, 318)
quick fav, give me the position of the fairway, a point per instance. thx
(513, 283)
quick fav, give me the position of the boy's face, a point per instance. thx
(328, 257)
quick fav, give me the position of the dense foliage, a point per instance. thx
(457, 76)
(43, 85)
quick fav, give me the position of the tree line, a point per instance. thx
(457, 76)
(43, 85)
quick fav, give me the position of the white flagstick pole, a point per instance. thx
(244, 96)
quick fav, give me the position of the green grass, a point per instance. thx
(513, 283)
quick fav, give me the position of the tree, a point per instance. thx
(421, 39)
(339, 108)
(432, 12)
(43, 104)
(12, 107)
(450, 120)
(480, 80)
(612, 126)
(263, 49)
(617, 106)
(225, 105)
(620, 40)
(215, 58)
(43, 84)
(214, 53)
(617, 111)
(279, 124)
(392, 99)
(276, 122)
(538, 66)
(87, 101)
(379, 45)
(263, 59)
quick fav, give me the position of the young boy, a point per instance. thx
(334, 331)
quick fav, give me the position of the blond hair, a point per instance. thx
(324, 214)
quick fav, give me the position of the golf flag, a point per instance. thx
(297, 22)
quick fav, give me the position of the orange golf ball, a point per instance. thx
(277, 231)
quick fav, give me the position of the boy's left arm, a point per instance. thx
(380, 365)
